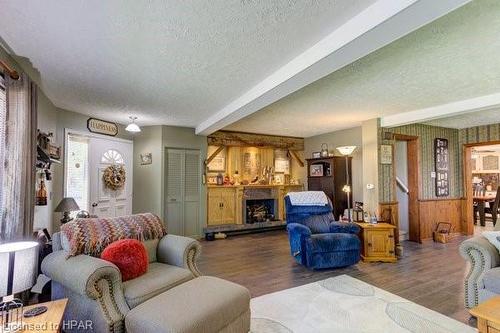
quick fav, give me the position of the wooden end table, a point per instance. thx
(488, 315)
(48, 322)
(377, 242)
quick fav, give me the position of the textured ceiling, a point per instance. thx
(451, 59)
(167, 62)
(466, 120)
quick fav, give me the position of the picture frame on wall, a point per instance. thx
(146, 159)
(218, 163)
(316, 170)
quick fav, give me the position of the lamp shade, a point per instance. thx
(346, 150)
(19, 262)
(67, 205)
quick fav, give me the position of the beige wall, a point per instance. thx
(149, 180)
(369, 136)
(335, 139)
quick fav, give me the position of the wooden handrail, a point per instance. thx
(14, 75)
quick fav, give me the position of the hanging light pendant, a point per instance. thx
(133, 127)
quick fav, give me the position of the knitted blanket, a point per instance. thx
(91, 236)
(308, 198)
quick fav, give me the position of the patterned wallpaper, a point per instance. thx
(427, 135)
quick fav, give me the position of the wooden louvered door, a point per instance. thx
(183, 192)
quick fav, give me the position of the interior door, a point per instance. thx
(106, 202)
(183, 179)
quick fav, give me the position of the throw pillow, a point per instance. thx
(493, 237)
(129, 255)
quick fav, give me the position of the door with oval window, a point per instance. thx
(106, 200)
(86, 159)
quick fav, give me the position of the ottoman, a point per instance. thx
(202, 305)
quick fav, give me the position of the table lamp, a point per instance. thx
(21, 262)
(346, 151)
(66, 206)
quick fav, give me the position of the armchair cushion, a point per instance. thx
(321, 243)
(318, 224)
(158, 278)
(492, 280)
(344, 227)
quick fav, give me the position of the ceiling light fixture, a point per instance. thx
(133, 127)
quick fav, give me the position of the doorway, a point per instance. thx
(86, 158)
(481, 183)
(408, 147)
(183, 210)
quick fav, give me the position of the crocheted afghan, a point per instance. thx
(91, 236)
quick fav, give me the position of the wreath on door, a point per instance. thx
(114, 177)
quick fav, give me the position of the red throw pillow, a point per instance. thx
(129, 255)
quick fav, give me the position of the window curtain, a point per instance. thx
(18, 132)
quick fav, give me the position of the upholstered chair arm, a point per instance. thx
(90, 277)
(179, 251)
(343, 227)
(482, 256)
(298, 233)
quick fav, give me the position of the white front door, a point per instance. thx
(106, 202)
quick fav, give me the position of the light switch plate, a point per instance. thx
(433, 174)
(370, 186)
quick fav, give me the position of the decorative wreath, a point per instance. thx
(114, 177)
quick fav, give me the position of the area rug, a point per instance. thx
(344, 304)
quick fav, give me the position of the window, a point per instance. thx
(112, 157)
(77, 170)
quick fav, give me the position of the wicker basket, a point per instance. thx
(442, 232)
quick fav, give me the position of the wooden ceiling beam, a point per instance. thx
(239, 139)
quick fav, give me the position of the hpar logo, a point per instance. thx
(82, 325)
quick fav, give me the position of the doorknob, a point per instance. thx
(94, 204)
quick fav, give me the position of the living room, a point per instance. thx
(250, 166)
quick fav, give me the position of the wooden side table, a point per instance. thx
(488, 315)
(48, 322)
(377, 242)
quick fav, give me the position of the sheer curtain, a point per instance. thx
(18, 130)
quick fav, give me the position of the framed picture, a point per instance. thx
(316, 154)
(316, 170)
(385, 154)
(146, 159)
(218, 163)
(282, 166)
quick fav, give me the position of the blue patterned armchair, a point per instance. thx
(317, 241)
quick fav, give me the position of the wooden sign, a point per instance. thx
(385, 154)
(442, 161)
(102, 127)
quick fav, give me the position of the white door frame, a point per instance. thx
(68, 131)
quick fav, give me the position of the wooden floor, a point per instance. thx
(430, 274)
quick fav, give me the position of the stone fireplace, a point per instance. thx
(260, 205)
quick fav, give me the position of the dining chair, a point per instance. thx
(493, 208)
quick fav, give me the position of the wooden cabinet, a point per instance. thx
(331, 180)
(221, 206)
(377, 242)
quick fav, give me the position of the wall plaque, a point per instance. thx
(102, 127)
(442, 161)
(385, 154)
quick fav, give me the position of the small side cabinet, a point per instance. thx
(377, 242)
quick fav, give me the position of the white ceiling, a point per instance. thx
(465, 120)
(451, 59)
(167, 62)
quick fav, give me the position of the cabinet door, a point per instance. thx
(378, 243)
(214, 208)
(228, 206)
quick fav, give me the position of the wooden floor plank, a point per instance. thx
(429, 274)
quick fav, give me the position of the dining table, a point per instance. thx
(480, 201)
